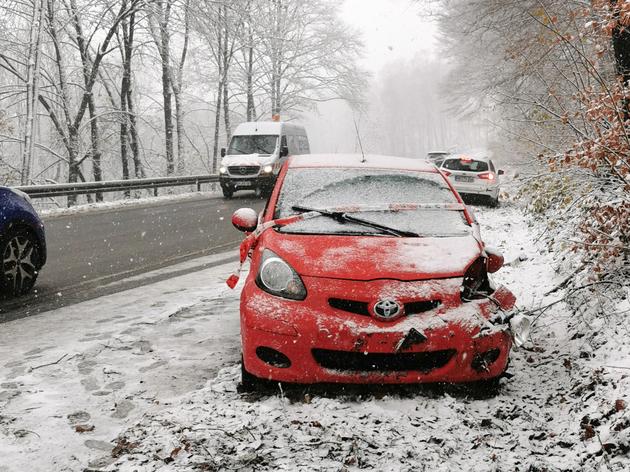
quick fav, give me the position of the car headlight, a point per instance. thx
(268, 169)
(21, 194)
(521, 327)
(476, 284)
(278, 278)
(222, 170)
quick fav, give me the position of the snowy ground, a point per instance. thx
(147, 380)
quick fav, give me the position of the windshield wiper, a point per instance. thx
(342, 217)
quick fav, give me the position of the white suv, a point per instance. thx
(473, 176)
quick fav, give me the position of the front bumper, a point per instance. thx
(451, 343)
(491, 191)
(247, 182)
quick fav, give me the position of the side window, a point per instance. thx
(283, 142)
(304, 147)
(293, 145)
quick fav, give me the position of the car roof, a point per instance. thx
(264, 128)
(371, 161)
(476, 157)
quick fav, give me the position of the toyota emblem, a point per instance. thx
(387, 309)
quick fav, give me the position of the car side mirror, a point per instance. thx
(223, 152)
(501, 172)
(245, 220)
(495, 259)
(284, 151)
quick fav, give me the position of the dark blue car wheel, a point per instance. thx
(19, 262)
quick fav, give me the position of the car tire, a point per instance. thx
(227, 192)
(249, 382)
(20, 262)
(493, 202)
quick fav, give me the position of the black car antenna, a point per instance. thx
(356, 127)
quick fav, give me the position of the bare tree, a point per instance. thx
(32, 87)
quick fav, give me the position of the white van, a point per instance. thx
(256, 153)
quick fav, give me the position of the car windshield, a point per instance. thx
(253, 144)
(467, 165)
(327, 188)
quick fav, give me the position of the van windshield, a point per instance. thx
(253, 144)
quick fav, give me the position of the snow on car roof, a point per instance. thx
(372, 161)
(476, 157)
(265, 128)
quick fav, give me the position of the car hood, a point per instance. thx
(370, 258)
(246, 160)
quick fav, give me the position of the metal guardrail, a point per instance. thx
(84, 188)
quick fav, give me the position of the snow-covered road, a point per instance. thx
(146, 380)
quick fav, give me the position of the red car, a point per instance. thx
(369, 270)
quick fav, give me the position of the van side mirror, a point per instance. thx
(501, 172)
(223, 152)
(245, 220)
(495, 259)
(284, 151)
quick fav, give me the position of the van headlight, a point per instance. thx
(268, 169)
(277, 277)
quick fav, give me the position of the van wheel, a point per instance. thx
(227, 192)
(19, 263)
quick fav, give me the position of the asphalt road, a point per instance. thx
(88, 252)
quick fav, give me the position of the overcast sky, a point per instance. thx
(392, 29)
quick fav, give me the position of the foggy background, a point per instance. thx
(407, 110)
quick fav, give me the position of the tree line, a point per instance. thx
(101, 89)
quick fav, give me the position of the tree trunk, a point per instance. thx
(86, 64)
(226, 68)
(165, 55)
(32, 89)
(217, 128)
(251, 105)
(134, 138)
(179, 123)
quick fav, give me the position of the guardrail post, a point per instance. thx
(155, 191)
(198, 186)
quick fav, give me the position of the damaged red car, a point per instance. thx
(369, 270)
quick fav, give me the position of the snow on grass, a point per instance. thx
(154, 370)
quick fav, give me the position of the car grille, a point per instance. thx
(413, 308)
(352, 306)
(243, 170)
(362, 308)
(377, 362)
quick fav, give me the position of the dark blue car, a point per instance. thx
(22, 243)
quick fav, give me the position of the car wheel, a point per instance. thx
(249, 382)
(227, 192)
(493, 202)
(19, 263)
